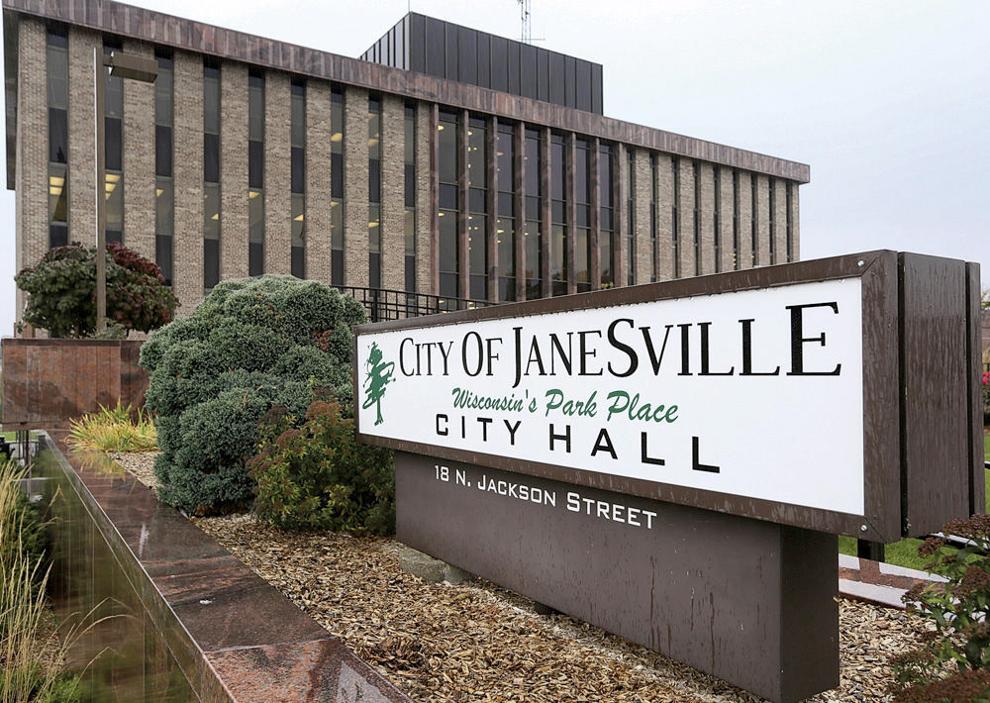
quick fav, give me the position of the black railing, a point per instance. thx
(385, 304)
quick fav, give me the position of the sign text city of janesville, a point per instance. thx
(755, 393)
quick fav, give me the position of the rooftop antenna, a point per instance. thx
(526, 35)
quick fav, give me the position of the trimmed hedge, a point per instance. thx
(252, 345)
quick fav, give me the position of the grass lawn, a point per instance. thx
(905, 552)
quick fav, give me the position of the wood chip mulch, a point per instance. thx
(477, 642)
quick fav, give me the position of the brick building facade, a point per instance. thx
(570, 199)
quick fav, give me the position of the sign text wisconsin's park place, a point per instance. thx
(672, 461)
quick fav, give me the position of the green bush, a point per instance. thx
(960, 641)
(318, 476)
(252, 345)
(62, 292)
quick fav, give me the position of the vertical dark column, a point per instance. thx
(491, 241)
(547, 224)
(519, 207)
(595, 216)
(620, 175)
(435, 198)
(463, 263)
(571, 212)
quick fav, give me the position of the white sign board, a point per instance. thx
(754, 393)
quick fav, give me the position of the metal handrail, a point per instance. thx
(388, 304)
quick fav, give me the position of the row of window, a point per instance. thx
(468, 147)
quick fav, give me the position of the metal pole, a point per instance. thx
(99, 80)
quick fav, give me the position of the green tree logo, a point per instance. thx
(378, 376)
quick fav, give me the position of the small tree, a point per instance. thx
(62, 291)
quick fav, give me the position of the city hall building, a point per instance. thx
(443, 162)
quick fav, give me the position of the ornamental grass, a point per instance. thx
(117, 429)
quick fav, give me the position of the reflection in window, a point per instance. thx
(477, 220)
(696, 213)
(337, 184)
(772, 219)
(754, 219)
(57, 57)
(409, 176)
(718, 219)
(164, 189)
(790, 221)
(606, 236)
(505, 224)
(113, 152)
(256, 173)
(297, 144)
(374, 191)
(675, 225)
(448, 163)
(735, 220)
(211, 173)
(558, 216)
(654, 221)
(533, 231)
(631, 218)
(582, 201)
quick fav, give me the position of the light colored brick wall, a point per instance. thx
(393, 193)
(780, 219)
(356, 187)
(188, 169)
(745, 218)
(707, 213)
(763, 220)
(665, 217)
(318, 180)
(727, 253)
(31, 198)
(425, 133)
(795, 223)
(233, 170)
(644, 247)
(278, 174)
(82, 140)
(139, 159)
(685, 224)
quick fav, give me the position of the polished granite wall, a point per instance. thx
(173, 616)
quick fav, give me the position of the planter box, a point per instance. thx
(48, 381)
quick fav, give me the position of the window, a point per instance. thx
(57, 55)
(297, 184)
(211, 173)
(505, 223)
(754, 219)
(606, 235)
(772, 221)
(409, 222)
(735, 220)
(449, 207)
(675, 216)
(337, 184)
(164, 185)
(717, 237)
(558, 217)
(374, 191)
(113, 151)
(654, 220)
(477, 177)
(582, 202)
(533, 231)
(696, 211)
(256, 173)
(631, 219)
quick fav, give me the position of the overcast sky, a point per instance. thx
(889, 102)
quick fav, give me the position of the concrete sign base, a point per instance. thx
(749, 601)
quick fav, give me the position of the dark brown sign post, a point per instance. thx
(673, 461)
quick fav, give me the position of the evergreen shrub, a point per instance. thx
(318, 477)
(252, 345)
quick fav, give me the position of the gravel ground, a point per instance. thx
(141, 464)
(478, 642)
